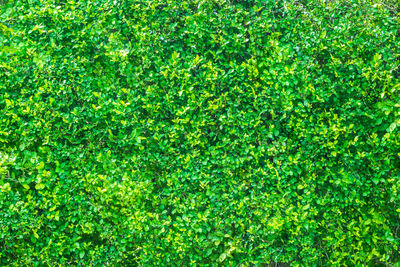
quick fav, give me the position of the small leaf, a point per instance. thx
(392, 127)
(40, 166)
(39, 186)
(222, 257)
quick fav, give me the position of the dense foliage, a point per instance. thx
(199, 132)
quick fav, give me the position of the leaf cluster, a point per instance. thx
(199, 132)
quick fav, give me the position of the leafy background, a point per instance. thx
(199, 132)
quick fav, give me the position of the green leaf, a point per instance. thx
(39, 186)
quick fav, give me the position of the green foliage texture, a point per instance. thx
(199, 132)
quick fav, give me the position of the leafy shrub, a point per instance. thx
(199, 132)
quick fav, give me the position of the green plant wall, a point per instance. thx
(199, 133)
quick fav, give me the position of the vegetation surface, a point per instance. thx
(199, 132)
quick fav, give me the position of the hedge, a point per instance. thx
(199, 132)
